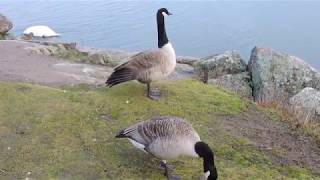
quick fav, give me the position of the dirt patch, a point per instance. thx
(20, 65)
(282, 143)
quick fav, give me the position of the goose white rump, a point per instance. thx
(40, 31)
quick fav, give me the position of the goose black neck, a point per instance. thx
(205, 152)
(162, 35)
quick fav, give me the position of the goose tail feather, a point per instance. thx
(120, 76)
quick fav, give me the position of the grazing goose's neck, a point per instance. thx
(205, 152)
(162, 35)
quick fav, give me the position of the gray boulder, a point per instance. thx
(187, 60)
(5, 24)
(306, 104)
(182, 71)
(238, 83)
(277, 76)
(69, 51)
(100, 59)
(214, 66)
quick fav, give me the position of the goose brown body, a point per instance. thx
(165, 137)
(151, 65)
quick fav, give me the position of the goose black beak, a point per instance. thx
(169, 13)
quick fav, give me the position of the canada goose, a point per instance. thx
(151, 65)
(168, 137)
(40, 31)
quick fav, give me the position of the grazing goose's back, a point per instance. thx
(165, 137)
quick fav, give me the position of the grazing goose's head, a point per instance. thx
(205, 152)
(162, 35)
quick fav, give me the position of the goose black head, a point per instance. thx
(205, 152)
(162, 35)
(163, 12)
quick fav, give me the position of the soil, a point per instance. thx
(19, 65)
(281, 142)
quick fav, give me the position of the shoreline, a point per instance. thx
(257, 79)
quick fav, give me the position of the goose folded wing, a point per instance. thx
(144, 60)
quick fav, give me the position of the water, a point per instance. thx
(197, 28)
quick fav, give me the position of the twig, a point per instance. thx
(2, 171)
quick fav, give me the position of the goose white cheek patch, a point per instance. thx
(164, 14)
(137, 145)
(207, 174)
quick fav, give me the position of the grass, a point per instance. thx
(77, 56)
(1, 36)
(49, 133)
(72, 55)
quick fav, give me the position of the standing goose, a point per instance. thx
(151, 65)
(168, 137)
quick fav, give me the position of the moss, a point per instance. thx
(75, 55)
(72, 55)
(63, 133)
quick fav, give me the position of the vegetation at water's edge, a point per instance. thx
(69, 133)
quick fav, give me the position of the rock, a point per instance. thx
(306, 104)
(182, 71)
(5, 24)
(238, 83)
(27, 37)
(46, 51)
(277, 76)
(214, 66)
(70, 46)
(100, 58)
(187, 60)
(70, 52)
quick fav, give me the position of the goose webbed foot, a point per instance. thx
(153, 94)
(168, 171)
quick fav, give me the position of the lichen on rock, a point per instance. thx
(278, 76)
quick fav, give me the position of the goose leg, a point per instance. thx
(167, 171)
(148, 89)
(154, 95)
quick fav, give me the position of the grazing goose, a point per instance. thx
(151, 65)
(168, 137)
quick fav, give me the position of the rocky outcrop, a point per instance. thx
(100, 58)
(71, 52)
(187, 60)
(238, 83)
(306, 104)
(214, 66)
(5, 24)
(277, 76)
(182, 71)
(227, 70)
